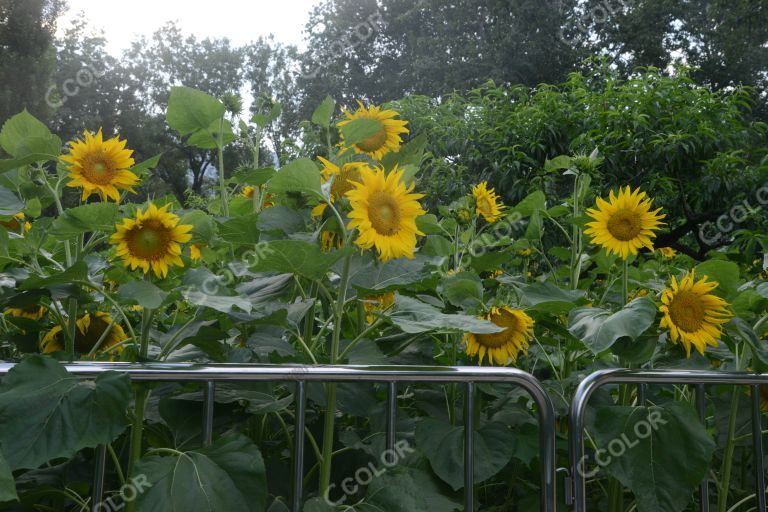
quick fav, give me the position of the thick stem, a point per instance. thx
(730, 444)
(220, 162)
(625, 282)
(575, 243)
(330, 402)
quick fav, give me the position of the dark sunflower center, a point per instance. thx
(624, 225)
(150, 241)
(687, 311)
(85, 342)
(98, 170)
(342, 183)
(384, 213)
(498, 339)
(375, 141)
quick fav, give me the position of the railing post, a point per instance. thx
(757, 442)
(298, 453)
(208, 404)
(469, 448)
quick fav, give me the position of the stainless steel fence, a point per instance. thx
(392, 375)
(669, 377)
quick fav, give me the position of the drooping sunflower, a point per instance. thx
(377, 304)
(195, 252)
(343, 177)
(385, 140)
(625, 223)
(667, 252)
(330, 240)
(90, 329)
(32, 312)
(692, 314)
(384, 211)
(487, 202)
(501, 347)
(151, 240)
(100, 166)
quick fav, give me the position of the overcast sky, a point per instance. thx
(239, 20)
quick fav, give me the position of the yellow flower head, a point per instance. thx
(692, 314)
(384, 211)
(385, 140)
(90, 329)
(501, 347)
(667, 252)
(330, 240)
(32, 312)
(15, 223)
(249, 191)
(625, 223)
(525, 253)
(343, 177)
(377, 304)
(151, 240)
(487, 202)
(100, 166)
(194, 252)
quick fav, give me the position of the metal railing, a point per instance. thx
(669, 377)
(392, 375)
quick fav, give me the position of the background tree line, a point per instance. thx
(696, 131)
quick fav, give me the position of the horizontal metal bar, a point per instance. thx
(622, 376)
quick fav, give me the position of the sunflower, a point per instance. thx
(32, 312)
(384, 211)
(15, 223)
(151, 240)
(692, 314)
(385, 140)
(249, 191)
(667, 252)
(377, 304)
(330, 240)
(90, 329)
(195, 252)
(505, 345)
(625, 223)
(100, 166)
(343, 177)
(487, 202)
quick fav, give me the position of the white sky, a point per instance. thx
(239, 20)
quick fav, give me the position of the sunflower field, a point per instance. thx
(341, 259)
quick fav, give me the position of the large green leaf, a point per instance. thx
(295, 257)
(190, 110)
(47, 413)
(300, 175)
(77, 272)
(414, 316)
(548, 297)
(533, 202)
(360, 129)
(143, 293)
(7, 483)
(203, 288)
(9, 203)
(726, 273)
(444, 447)
(228, 475)
(322, 114)
(86, 218)
(416, 491)
(371, 277)
(660, 453)
(23, 136)
(463, 289)
(599, 328)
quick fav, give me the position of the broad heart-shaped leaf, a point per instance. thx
(533, 202)
(322, 114)
(190, 110)
(47, 413)
(463, 289)
(9, 203)
(203, 288)
(360, 129)
(414, 316)
(370, 277)
(87, 218)
(744, 330)
(444, 447)
(142, 293)
(416, 491)
(301, 175)
(228, 475)
(295, 257)
(599, 328)
(77, 272)
(24, 136)
(209, 138)
(660, 453)
(726, 273)
(548, 297)
(7, 483)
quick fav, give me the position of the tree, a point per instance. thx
(27, 56)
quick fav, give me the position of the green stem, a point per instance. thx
(625, 282)
(220, 162)
(575, 249)
(725, 483)
(330, 402)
